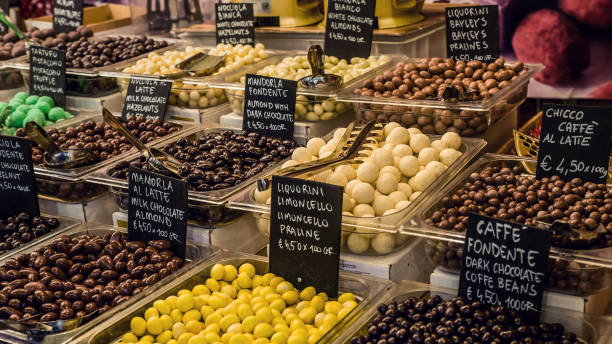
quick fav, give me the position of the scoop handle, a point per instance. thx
(37, 134)
(115, 124)
(315, 58)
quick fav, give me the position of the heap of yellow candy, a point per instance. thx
(240, 307)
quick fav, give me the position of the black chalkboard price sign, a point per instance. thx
(505, 264)
(17, 186)
(4, 4)
(349, 28)
(48, 73)
(472, 33)
(157, 209)
(575, 142)
(305, 233)
(146, 97)
(235, 24)
(67, 15)
(269, 106)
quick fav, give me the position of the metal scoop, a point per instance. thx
(5, 19)
(319, 80)
(160, 161)
(200, 64)
(55, 157)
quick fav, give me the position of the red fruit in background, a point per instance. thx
(549, 37)
(595, 13)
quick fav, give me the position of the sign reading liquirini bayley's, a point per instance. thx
(575, 142)
(147, 97)
(17, 185)
(349, 28)
(48, 73)
(269, 106)
(505, 264)
(472, 33)
(157, 209)
(67, 15)
(305, 221)
(235, 24)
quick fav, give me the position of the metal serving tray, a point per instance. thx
(193, 257)
(214, 197)
(115, 70)
(66, 224)
(591, 329)
(74, 174)
(470, 147)
(502, 96)
(23, 62)
(417, 226)
(231, 80)
(367, 290)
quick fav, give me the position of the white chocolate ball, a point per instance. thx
(388, 146)
(422, 180)
(357, 243)
(414, 131)
(348, 188)
(448, 156)
(436, 167)
(322, 176)
(401, 150)
(405, 188)
(382, 158)
(393, 170)
(414, 196)
(386, 183)
(301, 154)
(347, 170)
(382, 203)
(363, 193)
(398, 136)
(401, 205)
(390, 211)
(383, 243)
(314, 145)
(451, 139)
(427, 155)
(418, 142)
(398, 196)
(347, 202)
(438, 145)
(362, 210)
(367, 172)
(409, 165)
(389, 127)
(262, 196)
(337, 178)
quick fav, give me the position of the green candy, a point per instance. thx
(56, 111)
(30, 118)
(21, 95)
(38, 113)
(15, 120)
(68, 114)
(3, 105)
(55, 115)
(15, 102)
(24, 108)
(31, 100)
(46, 99)
(43, 107)
(48, 123)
